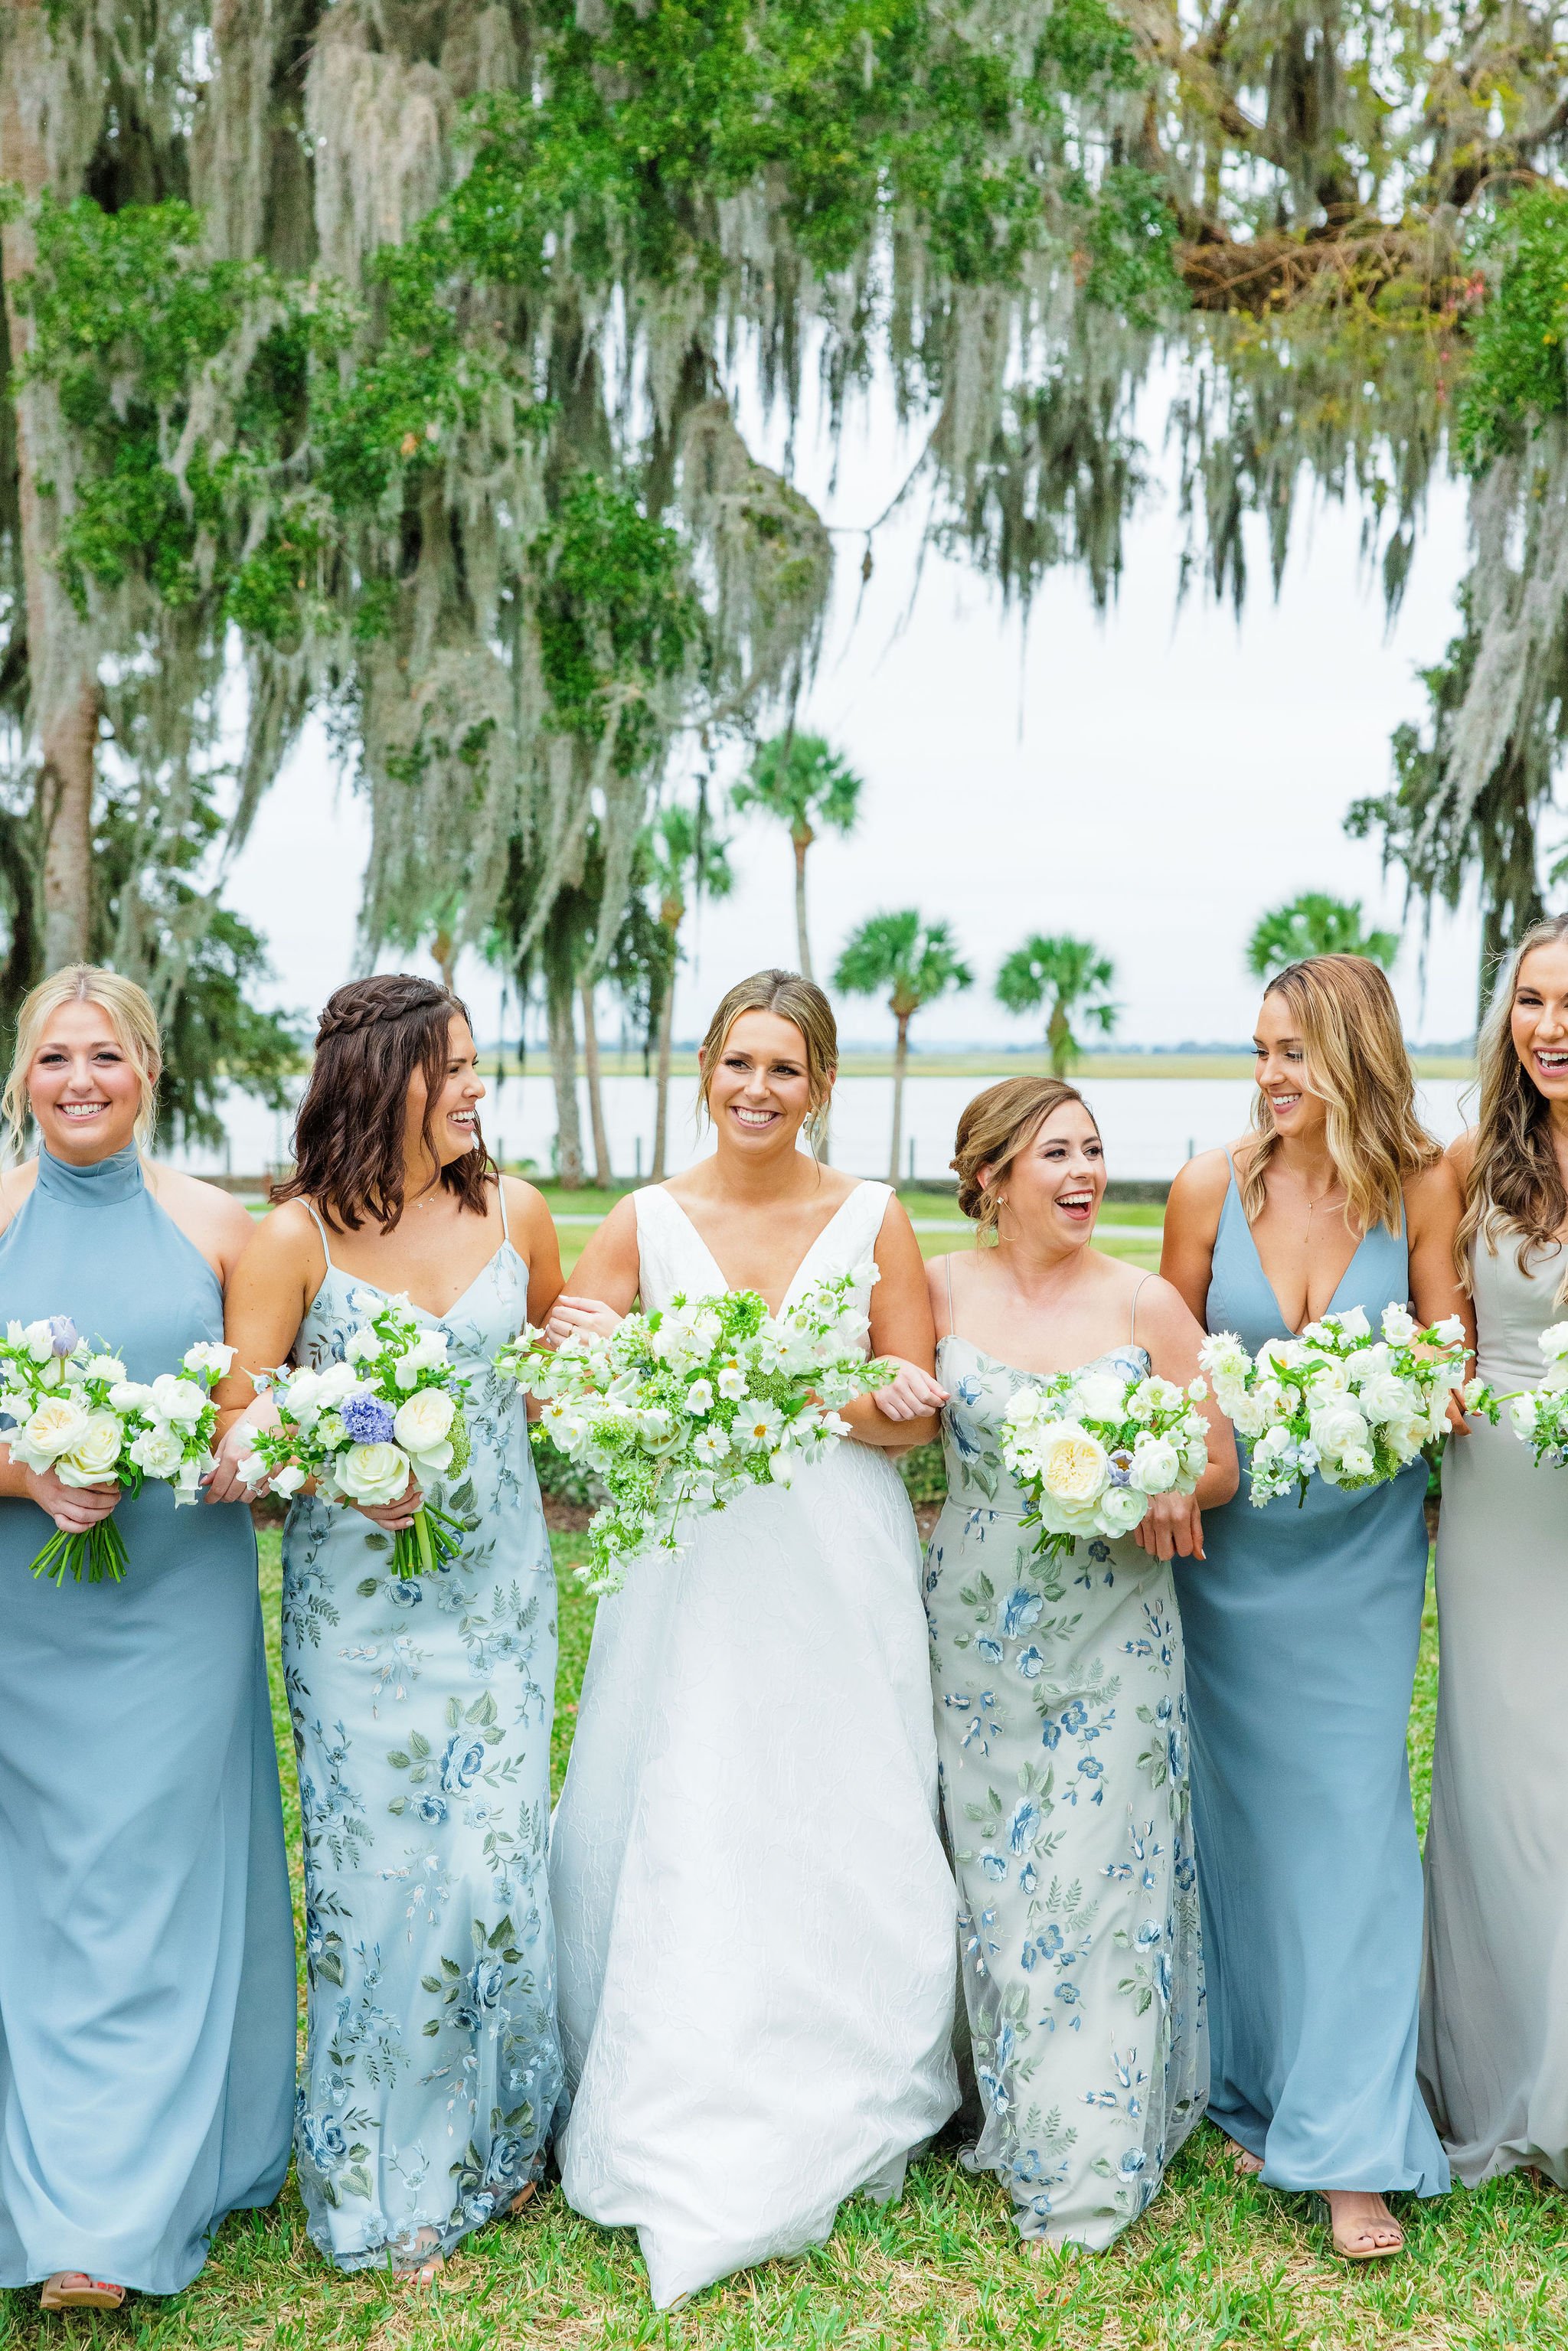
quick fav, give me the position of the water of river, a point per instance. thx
(1150, 1124)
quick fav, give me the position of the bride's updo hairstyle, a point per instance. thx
(374, 1035)
(992, 1131)
(1348, 1021)
(792, 999)
(132, 1023)
(1515, 1187)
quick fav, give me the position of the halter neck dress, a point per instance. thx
(1062, 1732)
(755, 1920)
(422, 1715)
(147, 1993)
(1302, 1630)
(1494, 2021)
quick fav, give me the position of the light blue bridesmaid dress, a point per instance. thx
(421, 1716)
(1302, 1628)
(147, 1995)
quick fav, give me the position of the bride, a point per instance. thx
(755, 1919)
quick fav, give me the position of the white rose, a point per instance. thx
(157, 1451)
(1072, 1466)
(333, 1383)
(1335, 1428)
(1328, 1381)
(91, 1461)
(1249, 1416)
(1156, 1465)
(57, 1424)
(376, 1474)
(1387, 1397)
(422, 1423)
(1100, 1395)
(1368, 1363)
(178, 1400)
(1122, 1508)
(130, 1396)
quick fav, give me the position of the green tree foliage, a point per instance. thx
(916, 961)
(1315, 924)
(800, 781)
(1069, 979)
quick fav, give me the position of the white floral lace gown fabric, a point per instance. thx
(1061, 1717)
(422, 1720)
(754, 1914)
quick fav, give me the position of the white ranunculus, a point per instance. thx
(130, 1396)
(1249, 1414)
(1369, 1363)
(1156, 1465)
(1522, 1412)
(333, 1383)
(1337, 1426)
(1553, 1340)
(181, 1401)
(91, 1459)
(1100, 1395)
(1355, 1461)
(104, 1367)
(158, 1451)
(52, 1429)
(425, 1422)
(377, 1474)
(1387, 1397)
(1123, 1507)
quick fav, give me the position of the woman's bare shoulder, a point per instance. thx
(1198, 1188)
(204, 1211)
(15, 1183)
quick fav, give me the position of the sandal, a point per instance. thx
(73, 2290)
(1348, 2251)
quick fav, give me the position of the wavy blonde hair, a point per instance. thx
(792, 999)
(992, 1131)
(1356, 1063)
(132, 1023)
(1515, 1185)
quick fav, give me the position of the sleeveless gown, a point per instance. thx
(755, 1920)
(1494, 2024)
(421, 1716)
(1302, 1629)
(1061, 1730)
(147, 1989)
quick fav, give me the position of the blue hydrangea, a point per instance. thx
(368, 1420)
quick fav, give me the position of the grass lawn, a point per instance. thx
(1215, 2262)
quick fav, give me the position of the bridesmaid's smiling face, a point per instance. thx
(1281, 1072)
(84, 1087)
(455, 1129)
(1054, 1188)
(1540, 1018)
(760, 1089)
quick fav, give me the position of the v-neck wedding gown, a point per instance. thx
(754, 1919)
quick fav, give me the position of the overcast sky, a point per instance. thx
(1150, 779)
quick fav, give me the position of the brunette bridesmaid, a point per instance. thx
(1302, 1625)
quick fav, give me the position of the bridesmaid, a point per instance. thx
(146, 1943)
(421, 1710)
(1060, 1702)
(1303, 1627)
(1494, 2024)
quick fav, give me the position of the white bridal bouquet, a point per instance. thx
(1353, 1409)
(74, 1410)
(391, 1409)
(680, 1411)
(1092, 1449)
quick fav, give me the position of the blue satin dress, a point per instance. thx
(1302, 1628)
(147, 1991)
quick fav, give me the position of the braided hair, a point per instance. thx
(375, 1036)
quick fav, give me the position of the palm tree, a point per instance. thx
(689, 860)
(916, 961)
(1313, 924)
(802, 781)
(1072, 979)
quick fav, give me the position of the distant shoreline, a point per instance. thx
(986, 1063)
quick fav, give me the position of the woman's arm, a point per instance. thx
(1173, 1336)
(1192, 1226)
(279, 1274)
(905, 1412)
(604, 1280)
(1434, 1204)
(535, 1238)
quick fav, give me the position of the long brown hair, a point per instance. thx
(1515, 1185)
(993, 1130)
(1356, 1063)
(375, 1036)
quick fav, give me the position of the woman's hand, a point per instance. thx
(911, 1394)
(222, 1482)
(74, 1509)
(1172, 1527)
(573, 1318)
(396, 1516)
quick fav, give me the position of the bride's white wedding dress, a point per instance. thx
(753, 1915)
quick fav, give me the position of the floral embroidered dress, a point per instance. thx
(421, 1721)
(1061, 1729)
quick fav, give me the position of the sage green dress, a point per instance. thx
(1062, 1732)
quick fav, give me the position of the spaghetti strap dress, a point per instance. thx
(1302, 1628)
(422, 1715)
(147, 1993)
(1061, 1735)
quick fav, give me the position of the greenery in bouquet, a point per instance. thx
(1339, 1403)
(362, 1426)
(1092, 1448)
(680, 1411)
(1540, 1415)
(73, 1408)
